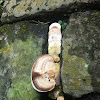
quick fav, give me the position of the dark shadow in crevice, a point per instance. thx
(44, 96)
(61, 63)
(45, 37)
(90, 96)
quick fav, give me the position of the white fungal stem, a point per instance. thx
(54, 41)
(54, 46)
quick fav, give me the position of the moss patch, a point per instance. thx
(81, 54)
(23, 46)
(22, 56)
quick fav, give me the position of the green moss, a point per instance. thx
(5, 49)
(22, 90)
(95, 13)
(23, 28)
(80, 60)
(22, 55)
(2, 30)
(75, 67)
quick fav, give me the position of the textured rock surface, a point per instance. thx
(22, 45)
(80, 71)
(14, 9)
(1, 1)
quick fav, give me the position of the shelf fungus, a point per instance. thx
(54, 41)
(44, 73)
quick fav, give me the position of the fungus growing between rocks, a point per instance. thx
(44, 73)
(54, 41)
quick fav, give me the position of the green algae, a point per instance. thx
(18, 30)
(23, 28)
(76, 75)
(5, 80)
(80, 54)
(75, 65)
(17, 58)
(21, 56)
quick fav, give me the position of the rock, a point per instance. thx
(1, 6)
(18, 9)
(80, 72)
(23, 45)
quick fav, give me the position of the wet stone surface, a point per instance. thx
(80, 71)
(18, 9)
(22, 44)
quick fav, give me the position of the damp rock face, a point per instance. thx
(1, 6)
(80, 72)
(15, 9)
(22, 45)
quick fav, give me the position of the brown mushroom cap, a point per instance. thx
(44, 73)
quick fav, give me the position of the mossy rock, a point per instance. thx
(24, 43)
(80, 71)
(19, 9)
(1, 8)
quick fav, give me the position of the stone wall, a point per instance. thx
(23, 38)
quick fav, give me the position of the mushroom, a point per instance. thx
(54, 41)
(44, 73)
(60, 98)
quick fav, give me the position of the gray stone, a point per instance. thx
(1, 1)
(16, 9)
(80, 72)
(23, 43)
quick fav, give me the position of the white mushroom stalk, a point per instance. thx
(54, 41)
(54, 49)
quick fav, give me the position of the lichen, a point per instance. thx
(80, 54)
(18, 8)
(76, 74)
(5, 49)
(23, 28)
